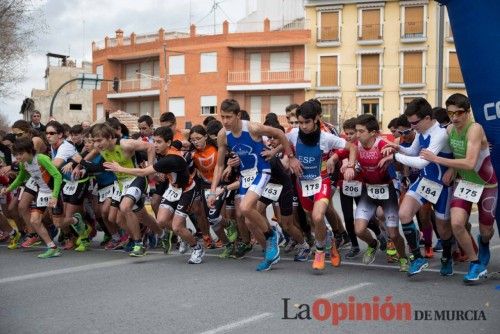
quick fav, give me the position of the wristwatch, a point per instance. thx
(291, 155)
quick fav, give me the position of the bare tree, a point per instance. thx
(19, 24)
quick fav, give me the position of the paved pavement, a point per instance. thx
(108, 292)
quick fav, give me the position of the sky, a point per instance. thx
(71, 26)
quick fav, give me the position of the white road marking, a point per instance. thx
(240, 323)
(344, 290)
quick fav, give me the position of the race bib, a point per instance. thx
(469, 191)
(272, 191)
(42, 200)
(378, 191)
(311, 187)
(70, 188)
(117, 193)
(352, 188)
(247, 177)
(172, 194)
(429, 190)
(105, 193)
(31, 184)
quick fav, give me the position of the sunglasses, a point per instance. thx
(405, 132)
(416, 122)
(51, 133)
(458, 113)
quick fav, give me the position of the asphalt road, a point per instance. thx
(109, 292)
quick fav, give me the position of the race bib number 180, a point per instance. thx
(378, 191)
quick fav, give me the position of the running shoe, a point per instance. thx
(208, 242)
(303, 252)
(335, 256)
(83, 246)
(183, 247)
(138, 251)
(272, 248)
(166, 242)
(31, 241)
(290, 246)
(353, 252)
(241, 250)
(438, 247)
(105, 240)
(68, 244)
(476, 271)
(14, 240)
(342, 241)
(403, 264)
(112, 244)
(319, 261)
(228, 250)
(197, 255)
(429, 253)
(50, 252)
(265, 265)
(232, 231)
(383, 241)
(417, 265)
(369, 255)
(129, 246)
(391, 252)
(446, 267)
(483, 253)
(219, 244)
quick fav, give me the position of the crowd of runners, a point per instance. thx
(61, 184)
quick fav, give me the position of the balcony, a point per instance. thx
(258, 80)
(328, 81)
(413, 32)
(369, 34)
(369, 77)
(412, 77)
(454, 77)
(327, 36)
(135, 88)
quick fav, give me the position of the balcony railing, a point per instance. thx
(367, 32)
(412, 75)
(412, 29)
(455, 75)
(327, 79)
(133, 85)
(328, 34)
(369, 76)
(250, 77)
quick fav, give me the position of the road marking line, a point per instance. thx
(76, 269)
(240, 323)
(345, 290)
(494, 247)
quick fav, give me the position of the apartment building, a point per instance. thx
(375, 56)
(190, 73)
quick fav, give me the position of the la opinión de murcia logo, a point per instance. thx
(377, 309)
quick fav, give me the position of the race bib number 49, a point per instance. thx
(311, 187)
(429, 190)
(468, 191)
(351, 188)
(378, 191)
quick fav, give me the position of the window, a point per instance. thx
(413, 68)
(370, 70)
(208, 62)
(454, 72)
(407, 98)
(329, 109)
(131, 71)
(139, 108)
(208, 105)
(99, 70)
(328, 75)
(176, 65)
(279, 62)
(99, 108)
(132, 108)
(329, 29)
(279, 103)
(369, 27)
(176, 105)
(75, 106)
(413, 22)
(370, 106)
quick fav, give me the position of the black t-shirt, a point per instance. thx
(5, 155)
(176, 166)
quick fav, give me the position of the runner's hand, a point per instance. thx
(68, 168)
(427, 155)
(233, 162)
(111, 166)
(296, 166)
(449, 176)
(330, 166)
(349, 174)
(52, 202)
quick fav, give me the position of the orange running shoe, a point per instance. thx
(208, 242)
(319, 260)
(429, 253)
(219, 244)
(335, 256)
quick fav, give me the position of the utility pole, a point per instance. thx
(440, 56)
